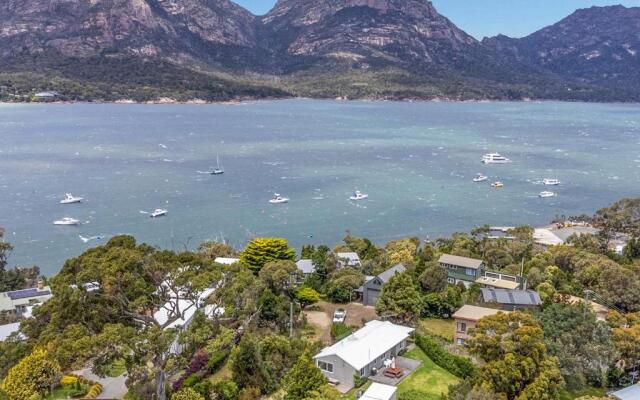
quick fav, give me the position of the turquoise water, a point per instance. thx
(415, 160)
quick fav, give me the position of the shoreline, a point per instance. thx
(171, 101)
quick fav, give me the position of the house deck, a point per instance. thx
(407, 365)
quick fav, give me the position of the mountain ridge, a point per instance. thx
(321, 48)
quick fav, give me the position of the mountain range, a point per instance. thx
(377, 49)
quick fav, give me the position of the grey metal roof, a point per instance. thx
(388, 274)
(465, 262)
(509, 296)
(25, 293)
(351, 256)
(306, 266)
(629, 393)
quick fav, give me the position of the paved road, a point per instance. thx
(112, 388)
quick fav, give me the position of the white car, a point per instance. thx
(339, 315)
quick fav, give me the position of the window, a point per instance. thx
(325, 366)
(462, 327)
(461, 341)
(451, 280)
(470, 271)
(362, 372)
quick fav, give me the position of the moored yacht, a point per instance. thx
(158, 212)
(546, 194)
(67, 221)
(550, 182)
(480, 178)
(218, 170)
(497, 184)
(70, 199)
(358, 195)
(278, 199)
(494, 158)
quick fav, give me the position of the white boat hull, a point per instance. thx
(66, 222)
(281, 201)
(496, 161)
(71, 201)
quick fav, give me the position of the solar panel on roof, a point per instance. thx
(22, 294)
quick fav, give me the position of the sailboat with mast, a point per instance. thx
(218, 170)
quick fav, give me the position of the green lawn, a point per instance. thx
(428, 382)
(570, 395)
(440, 327)
(67, 392)
(116, 368)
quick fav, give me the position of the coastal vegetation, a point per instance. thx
(248, 337)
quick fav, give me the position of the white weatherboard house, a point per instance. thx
(361, 352)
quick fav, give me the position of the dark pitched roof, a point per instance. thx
(388, 274)
(24, 293)
(508, 296)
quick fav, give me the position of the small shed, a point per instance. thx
(378, 391)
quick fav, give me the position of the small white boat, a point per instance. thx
(358, 195)
(480, 178)
(278, 199)
(497, 184)
(550, 182)
(67, 221)
(546, 194)
(158, 212)
(70, 199)
(494, 158)
(218, 170)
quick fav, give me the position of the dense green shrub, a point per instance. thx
(358, 381)
(217, 360)
(226, 390)
(340, 331)
(461, 367)
(192, 380)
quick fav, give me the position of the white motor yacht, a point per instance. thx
(278, 199)
(497, 184)
(67, 221)
(70, 199)
(158, 212)
(494, 158)
(550, 182)
(480, 178)
(546, 194)
(358, 195)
